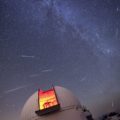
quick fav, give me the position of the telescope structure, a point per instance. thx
(57, 103)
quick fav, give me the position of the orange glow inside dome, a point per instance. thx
(47, 99)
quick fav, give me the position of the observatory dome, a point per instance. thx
(70, 108)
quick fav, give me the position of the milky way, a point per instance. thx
(72, 43)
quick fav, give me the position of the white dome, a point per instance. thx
(70, 107)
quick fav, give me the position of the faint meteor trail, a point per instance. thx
(15, 89)
(42, 71)
(34, 75)
(27, 56)
(83, 79)
(47, 70)
(112, 103)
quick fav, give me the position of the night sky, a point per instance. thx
(70, 43)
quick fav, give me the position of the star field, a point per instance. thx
(70, 43)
